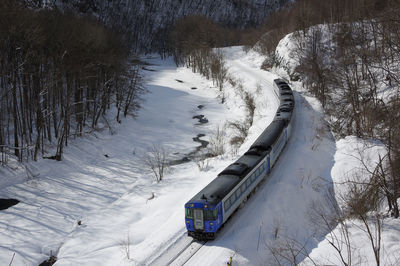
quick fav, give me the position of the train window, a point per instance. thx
(207, 215)
(238, 193)
(248, 182)
(233, 198)
(253, 177)
(210, 215)
(189, 213)
(243, 187)
(227, 204)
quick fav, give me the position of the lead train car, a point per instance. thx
(209, 209)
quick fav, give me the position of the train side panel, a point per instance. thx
(233, 200)
(278, 146)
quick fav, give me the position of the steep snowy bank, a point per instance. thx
(351, 158)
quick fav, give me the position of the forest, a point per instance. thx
(64, 64)
(348, 58)
(59, 74)
(146, 24)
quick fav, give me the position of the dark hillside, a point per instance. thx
(146, 23)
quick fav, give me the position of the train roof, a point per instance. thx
(231, 176)
(215, 191)
(286, 93)
(269, 136)
(287, 99)
(236, 168)
(283, 116)
(282, 85)
(251, 160)
(280, 82)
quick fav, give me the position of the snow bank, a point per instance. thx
(351, 159)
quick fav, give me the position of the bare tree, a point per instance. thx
(287, 250)
(329, 218)
(219, 71)
(217, 142)
(126, 246)
(362, 203)
(202, 161)
(241, 128)
(156, 160)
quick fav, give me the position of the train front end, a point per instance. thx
(202, 219)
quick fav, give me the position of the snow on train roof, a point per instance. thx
(280, 82)
(225, 181)
(270, 134)
(217, 189)
(236, 168)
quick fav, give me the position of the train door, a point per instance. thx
(198, 219)
(220, 213)
(267, 165)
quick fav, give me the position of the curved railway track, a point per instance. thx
(181, 251)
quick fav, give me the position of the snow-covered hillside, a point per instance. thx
(102, 185)
(354, 159)
(101, 206)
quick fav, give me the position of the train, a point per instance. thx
(210, 208)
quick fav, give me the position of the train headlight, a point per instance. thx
(205, 206)
(211, 224)
(187, 222)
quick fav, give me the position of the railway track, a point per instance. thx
(178, 253)
(187, 253)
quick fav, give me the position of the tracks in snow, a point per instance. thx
(187, 253)
(179, 252)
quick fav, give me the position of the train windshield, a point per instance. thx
(210, 215)
(189, 213)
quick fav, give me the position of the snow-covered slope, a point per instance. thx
(351, 157)
(97, 203)
(102, 182)
(127, 218)
(279, 207)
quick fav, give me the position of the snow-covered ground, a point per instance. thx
(102, 181)
(352, 156)
(280, 205)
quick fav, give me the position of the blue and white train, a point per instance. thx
(209, 209)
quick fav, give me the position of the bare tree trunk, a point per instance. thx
(15, 115)
(39, 118)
